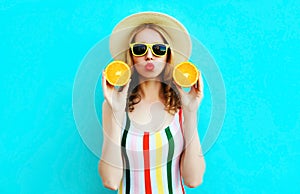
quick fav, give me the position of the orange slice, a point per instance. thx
(185, 74)
(117, 73)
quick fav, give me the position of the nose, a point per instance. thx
(149, 55)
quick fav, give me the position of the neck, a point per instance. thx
(150, 90)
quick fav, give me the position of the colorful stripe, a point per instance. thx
(135, 163)
(155, 170)
(170, 157)
(121, 188)
(148, 189)
(158, 163)
(180, 120)
(123, 144)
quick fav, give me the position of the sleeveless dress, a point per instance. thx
(151, 160)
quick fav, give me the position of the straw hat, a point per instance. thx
(176, 35)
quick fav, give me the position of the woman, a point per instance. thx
(151, 139)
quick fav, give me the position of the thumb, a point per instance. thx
(126, 87)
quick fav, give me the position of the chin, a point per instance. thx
(151, 77)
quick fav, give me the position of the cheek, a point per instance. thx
(162, 66)
(162, 61)
(138, 61)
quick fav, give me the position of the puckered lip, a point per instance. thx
(149, 66)
(149, 63)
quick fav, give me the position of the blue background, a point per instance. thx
(255, 44)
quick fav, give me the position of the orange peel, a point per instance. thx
(117, 73)
(185, 74)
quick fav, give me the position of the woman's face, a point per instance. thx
(149, 66)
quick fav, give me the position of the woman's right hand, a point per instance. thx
(115, 99)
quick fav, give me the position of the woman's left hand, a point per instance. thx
(191, 100)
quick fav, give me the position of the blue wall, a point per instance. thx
(255, 45)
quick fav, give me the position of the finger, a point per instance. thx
(197, 88)
(125, 88)
(194, 88)
(200, 82)
(104, 85)
(194, 91)
(108, 85)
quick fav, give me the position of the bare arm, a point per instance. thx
(192, 164)
(110, 165)
(113, 112)
(192, 161)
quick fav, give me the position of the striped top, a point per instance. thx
(152, 159)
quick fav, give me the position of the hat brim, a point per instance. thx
(180, 41)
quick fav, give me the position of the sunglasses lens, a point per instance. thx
(139, 49)
(159, 49)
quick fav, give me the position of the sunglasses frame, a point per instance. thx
(148, 46)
